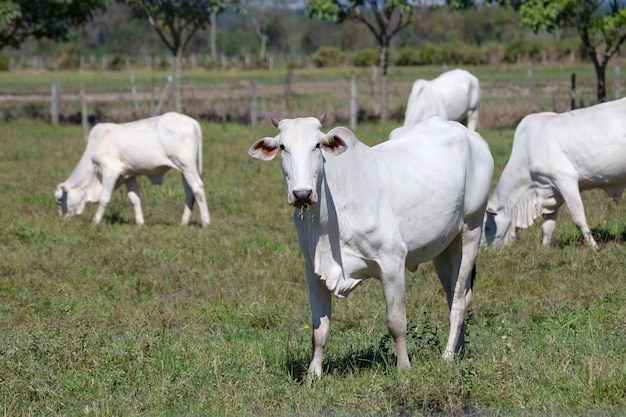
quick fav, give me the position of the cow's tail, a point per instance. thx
(200, 140)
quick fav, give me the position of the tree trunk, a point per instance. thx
(178, 80)
(601, 76)
(213, 34)
(383, 82)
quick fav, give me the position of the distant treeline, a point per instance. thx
(115, 41)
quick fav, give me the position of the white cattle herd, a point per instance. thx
(362, 212)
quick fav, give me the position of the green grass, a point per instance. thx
(165, 320)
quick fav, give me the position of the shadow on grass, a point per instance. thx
(601, 236)
(423, 343)
(370, 357)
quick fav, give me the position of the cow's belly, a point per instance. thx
(427, 239)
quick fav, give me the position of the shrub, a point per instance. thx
(68, 57)
(327, 57)
(4, 62)
(117, 63)
(366, 58)
(407, 56)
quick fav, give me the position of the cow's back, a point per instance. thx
(460, 92)
(148, 146)
(589, 141)
(427, 171)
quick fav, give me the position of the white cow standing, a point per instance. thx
(454, 95)
(117, 153)
(365, 212)
(554, 157)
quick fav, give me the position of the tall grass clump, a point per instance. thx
(117, 319)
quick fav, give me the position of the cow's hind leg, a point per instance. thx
(574, 202)
(132, 191)
(455, 267)
(472, 119)
(194, 192)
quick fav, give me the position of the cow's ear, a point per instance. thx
(334, 145)
(264, 149)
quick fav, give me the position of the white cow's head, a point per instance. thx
(300, 142)
(71, 201)
(498, 228)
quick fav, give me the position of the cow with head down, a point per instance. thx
(454, 95)
(364, 212)
(555, 157)
(117, 153)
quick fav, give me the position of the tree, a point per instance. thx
(52, 19)
(384, 19)
(601, 26)
(176, 22)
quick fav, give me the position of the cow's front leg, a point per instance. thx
(321, 311)
(132, 191)
(547, 228)
(109, 179)
(395, 301)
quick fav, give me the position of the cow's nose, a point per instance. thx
(302, 196)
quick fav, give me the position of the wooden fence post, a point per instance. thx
(164, 96)
(83, 112)
(133, 89)
(530, 84)
(353, 105)
(573, 92)
(253, 105)
(54, 102)
(617, 86)
(288, 81)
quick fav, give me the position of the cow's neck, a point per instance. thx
(319, 228)
(83, 173)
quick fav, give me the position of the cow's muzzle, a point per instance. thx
(302, 198)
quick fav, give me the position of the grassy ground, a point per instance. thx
(164, 320)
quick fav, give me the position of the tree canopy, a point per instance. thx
(23, 19)
(384, 19)
(600, 24)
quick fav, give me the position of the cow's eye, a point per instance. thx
(318, 146)
(281, 147)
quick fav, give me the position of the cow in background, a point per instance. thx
(555, 157)
(364, 212)
(117, 153)
(454, 95)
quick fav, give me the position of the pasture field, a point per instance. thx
(116, 319)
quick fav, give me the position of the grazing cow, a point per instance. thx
(117, 153)
(554, 157)
(454, 95)
(365, 212)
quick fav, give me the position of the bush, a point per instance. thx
(4, 62)
(406, 56)
(366, 58)
(327, 57)
(68, 57)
